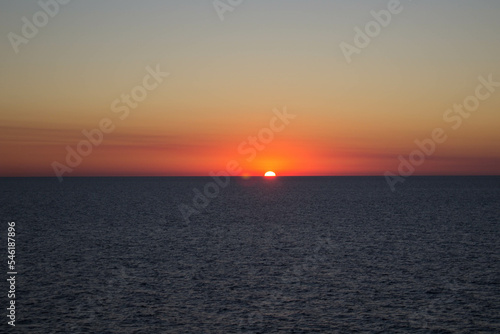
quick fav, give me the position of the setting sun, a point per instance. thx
(270, 174)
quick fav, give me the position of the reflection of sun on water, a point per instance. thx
(270, 174)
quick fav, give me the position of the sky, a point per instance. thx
(214, 83)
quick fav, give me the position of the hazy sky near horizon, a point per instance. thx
(226, 77)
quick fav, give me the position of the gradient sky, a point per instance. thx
(227, 76)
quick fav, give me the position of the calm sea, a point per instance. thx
(286, 255)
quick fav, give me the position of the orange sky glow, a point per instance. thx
(168, 89)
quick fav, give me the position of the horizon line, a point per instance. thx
(243, 176)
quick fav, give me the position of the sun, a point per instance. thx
(270, 174)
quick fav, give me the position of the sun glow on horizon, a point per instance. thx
(270, 174)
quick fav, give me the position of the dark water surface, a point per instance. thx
(288, 255)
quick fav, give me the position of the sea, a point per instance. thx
(252, 255)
